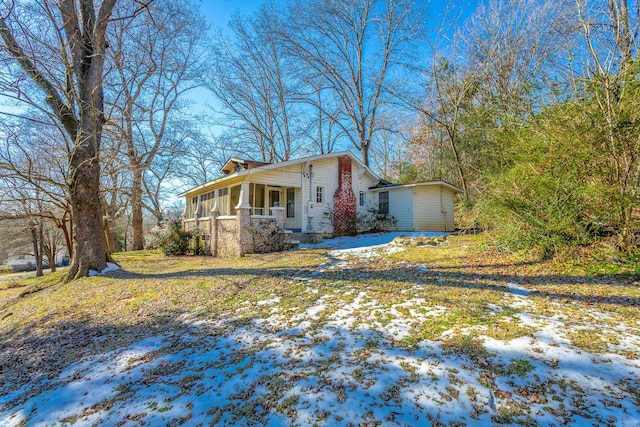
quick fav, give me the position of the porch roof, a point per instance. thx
(238, 176)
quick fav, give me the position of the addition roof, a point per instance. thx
(388, 186)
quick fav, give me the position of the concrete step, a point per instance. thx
(300, 237)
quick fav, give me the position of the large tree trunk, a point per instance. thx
(87, 49)
(136, 211)
(80, 111)
(89, 240)
(364, 152)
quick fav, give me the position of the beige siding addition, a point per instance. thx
(433, 208)
(401, 207)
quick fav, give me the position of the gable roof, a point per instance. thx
(235, 164)
(270, 166)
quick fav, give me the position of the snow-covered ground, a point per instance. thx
(367, 245)
(339, 362)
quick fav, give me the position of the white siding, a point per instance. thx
(433, 209)
(362, 181)
(290, 176)
(325, 173)
(295, 222)
(401, 207)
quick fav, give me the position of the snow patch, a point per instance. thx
(110, 267)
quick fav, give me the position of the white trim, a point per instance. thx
(323, 193)
(419, 184)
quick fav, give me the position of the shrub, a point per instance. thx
(370, 222)
(375, 222)
(171, 239)
(6, 269)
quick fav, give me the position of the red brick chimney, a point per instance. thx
(344, 201)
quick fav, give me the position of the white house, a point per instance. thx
(319, 195)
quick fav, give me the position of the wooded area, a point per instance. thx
(532, 107)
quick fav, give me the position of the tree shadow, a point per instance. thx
(407, 272)
(249, 372)
(536, 284)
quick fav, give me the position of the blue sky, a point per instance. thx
(218, 12)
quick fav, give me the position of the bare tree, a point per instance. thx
(154, 59)
(324, 131)
(610, 31)
(253, 82)
(30, 213)
(354, 47)
(73, 87)
(33, 168)
(510, 46)
(449, 95)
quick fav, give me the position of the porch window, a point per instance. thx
(206, 204)
(291, 202)
(235, 199)
(223, 201)
(191, 207)
(383, 202)
(256, 199)
(319, 194)
(363, 198)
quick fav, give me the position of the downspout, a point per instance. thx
(309, 228)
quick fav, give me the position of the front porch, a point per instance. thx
(243, 233)
(241, 219)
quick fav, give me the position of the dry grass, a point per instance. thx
(455, 294)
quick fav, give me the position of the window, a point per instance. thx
(383, 202)
(235, 199)
(223, 201)
(363, 198)
(291, 202)
(319, 194)
(274, 198)
(256, 199)
(191, 207)
(206, 204)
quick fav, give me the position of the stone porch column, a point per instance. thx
(213, 245)
(278, 212)
(244, 237)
